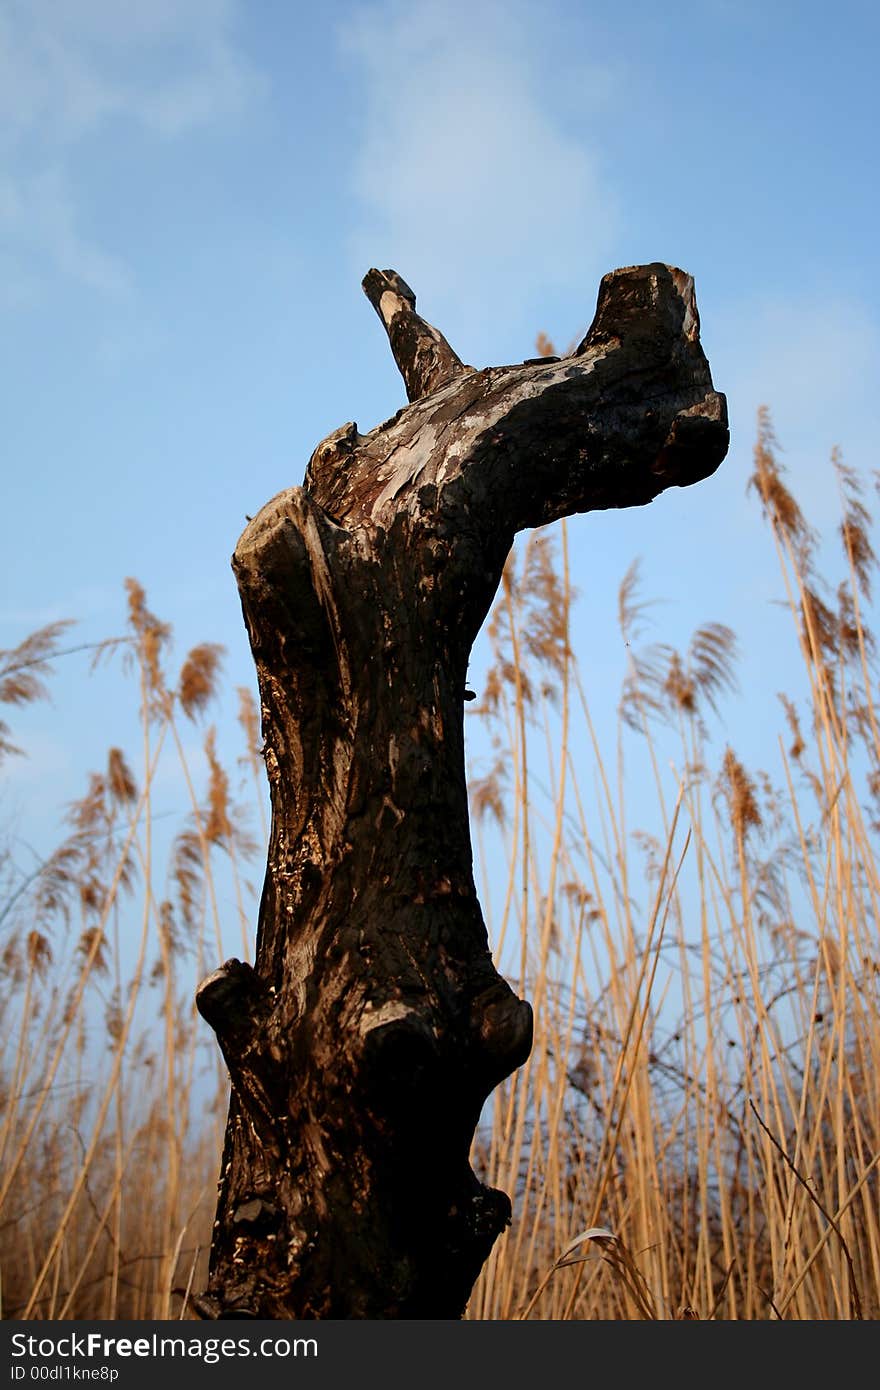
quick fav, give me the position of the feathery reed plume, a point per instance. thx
(120, 782)
(528, 632)
(654, 673)
(93, 947)
(546, 600)
(543, 346)
(797, 747)
(488, 794)
(218, 826)
(777, 502)
(680, 686)
(739, 790)
(705, 673)
(820, 627)
(39, 952)
(23, 669)
(199, 678)
(152, 637)
(23, 672)
(711, 662)
(188, 868)
(854, 527)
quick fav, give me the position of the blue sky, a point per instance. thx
(191, 191)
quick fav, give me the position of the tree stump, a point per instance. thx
(365, 1041)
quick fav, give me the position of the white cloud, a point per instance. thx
(220, 87)
(38, 222)
(465, 171)
(170, 66)
(69, 69)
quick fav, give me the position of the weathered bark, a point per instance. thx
(374, 1025)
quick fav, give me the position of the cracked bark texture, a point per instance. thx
(363, 1043)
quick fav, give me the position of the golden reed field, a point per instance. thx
(697, 1131)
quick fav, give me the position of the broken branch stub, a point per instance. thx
(374, 1025)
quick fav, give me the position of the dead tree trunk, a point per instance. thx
(363, 1044)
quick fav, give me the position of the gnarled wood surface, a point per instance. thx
(374, 1025)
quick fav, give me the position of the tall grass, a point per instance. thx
(113, 1098)
(697, 1131)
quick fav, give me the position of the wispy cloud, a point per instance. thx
(466, 174)
(69, 70)
(813, 359)
(38, 223)
(66, 68)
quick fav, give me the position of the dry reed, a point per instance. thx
(697, 1131)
